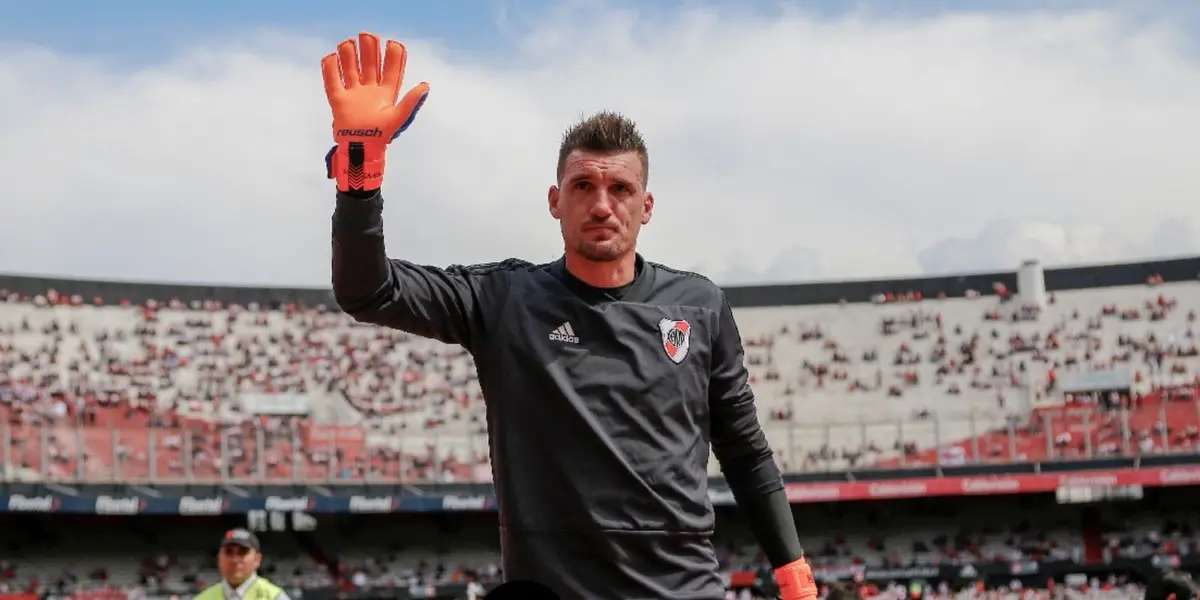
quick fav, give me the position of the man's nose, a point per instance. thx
(601, 207)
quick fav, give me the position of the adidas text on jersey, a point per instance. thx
(564, 333)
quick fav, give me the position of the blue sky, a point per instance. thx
(812, 140)
(127, 27)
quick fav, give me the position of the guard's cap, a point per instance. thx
(240, 537)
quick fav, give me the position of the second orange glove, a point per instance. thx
(795, 581)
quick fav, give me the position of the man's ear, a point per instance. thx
(647, 209)
(552, 199)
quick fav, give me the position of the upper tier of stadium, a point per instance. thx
(135, 382)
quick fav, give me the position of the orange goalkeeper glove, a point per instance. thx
(366, 117)
(795, 581)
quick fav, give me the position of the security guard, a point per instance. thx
(238, 559)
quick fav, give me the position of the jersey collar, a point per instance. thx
(635, 291)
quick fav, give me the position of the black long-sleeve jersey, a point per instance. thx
(601, 407)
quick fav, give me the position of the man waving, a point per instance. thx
(607, 377)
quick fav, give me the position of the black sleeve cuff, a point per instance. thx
(770, 519)
(353, 214)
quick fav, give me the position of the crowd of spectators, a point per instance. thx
(915, 382)
(168, 390)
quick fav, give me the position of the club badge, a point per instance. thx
(676, 338)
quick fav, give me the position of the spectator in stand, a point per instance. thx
(841, 591)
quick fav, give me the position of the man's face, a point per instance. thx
(601, 204)
(238, 563)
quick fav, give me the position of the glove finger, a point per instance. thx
(396, 59)
(348, 57)
(410, 105)
(368, 52)
(332, 75)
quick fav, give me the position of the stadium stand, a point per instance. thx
(109, 383)
(162, 390)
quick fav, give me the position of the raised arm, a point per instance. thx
(453, 305)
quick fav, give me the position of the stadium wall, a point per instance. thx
(828, 292)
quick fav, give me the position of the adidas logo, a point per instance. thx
(564, 333)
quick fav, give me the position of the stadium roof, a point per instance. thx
(824, 292)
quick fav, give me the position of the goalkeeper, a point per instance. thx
(607, 377)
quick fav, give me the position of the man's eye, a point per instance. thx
(620, 187)
(582, 185)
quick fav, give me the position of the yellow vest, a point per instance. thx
(261, 589)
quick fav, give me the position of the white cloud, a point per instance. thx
(781, 148)
(1004, 243)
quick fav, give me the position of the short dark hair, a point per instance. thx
(605, 132)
